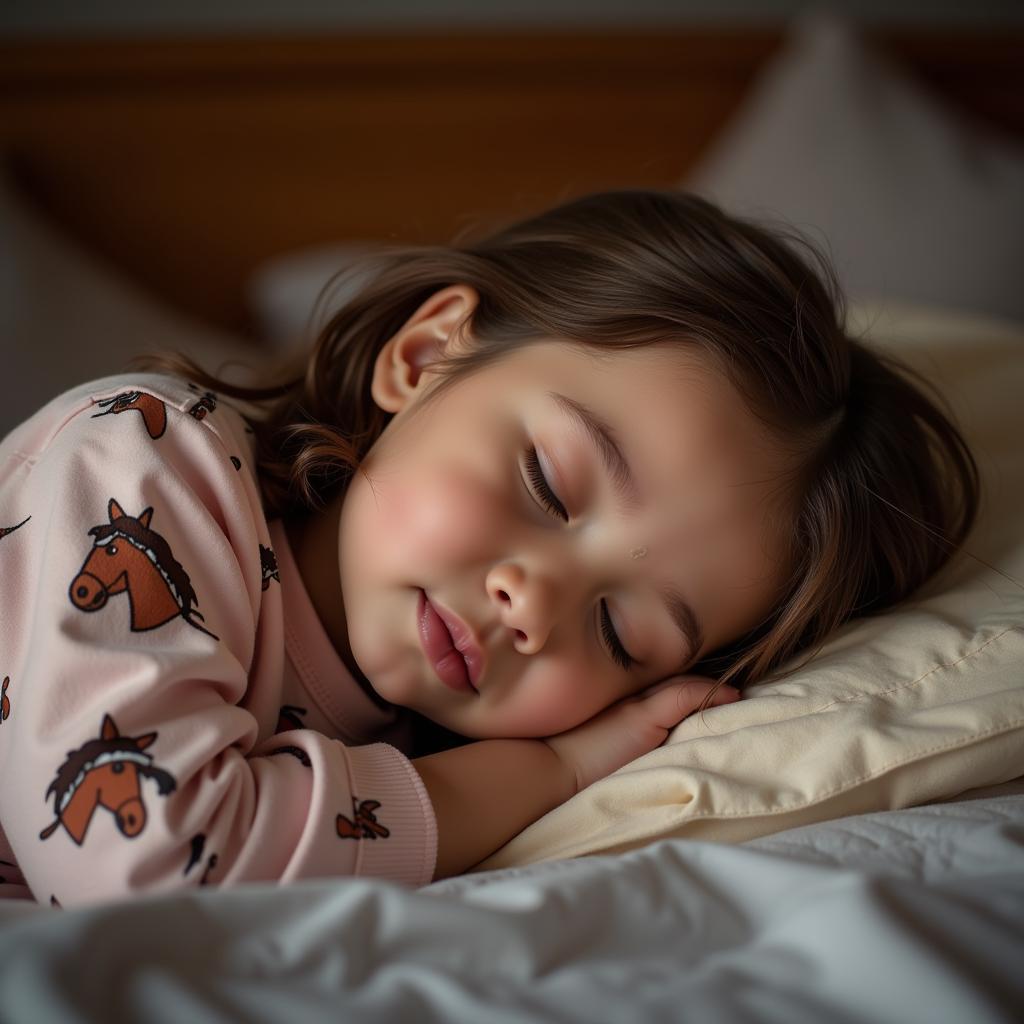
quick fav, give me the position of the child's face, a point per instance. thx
(448, 510)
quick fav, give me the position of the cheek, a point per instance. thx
(426, 521)
(550, 701)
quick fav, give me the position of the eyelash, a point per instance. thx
(542, 490)
(619, 653)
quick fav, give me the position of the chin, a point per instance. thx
(403, 696)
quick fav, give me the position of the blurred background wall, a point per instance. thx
(189, 174)
(130, 16)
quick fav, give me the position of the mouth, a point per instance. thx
(449, 646)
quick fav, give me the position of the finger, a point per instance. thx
(725, 694)
(692, 694)
(664, 684)
(700, 686)
(695, 692)
(667, 705)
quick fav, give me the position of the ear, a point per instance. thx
(427, 336)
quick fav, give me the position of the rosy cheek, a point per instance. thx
(445, 521)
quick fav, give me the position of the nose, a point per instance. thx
(526, 604)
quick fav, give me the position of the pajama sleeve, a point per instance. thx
(141, 655)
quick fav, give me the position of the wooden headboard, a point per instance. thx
(187, 162)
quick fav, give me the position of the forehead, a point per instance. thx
(671, 392)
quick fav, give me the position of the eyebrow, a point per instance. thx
(603, 437)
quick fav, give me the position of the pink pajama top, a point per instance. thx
(173, 713)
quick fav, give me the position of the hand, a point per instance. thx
(632, 727)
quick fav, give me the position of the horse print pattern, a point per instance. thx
(153, 411)
(206, 403)
(4, 530)
(363, 823)
(105, 772)
(196, 848)
(128, 556)
(268, 566)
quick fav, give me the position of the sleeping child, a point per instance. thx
(523, 506)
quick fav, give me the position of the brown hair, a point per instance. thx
(886, 488)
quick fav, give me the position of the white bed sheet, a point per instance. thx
(913, 915)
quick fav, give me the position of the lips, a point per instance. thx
(449, 646)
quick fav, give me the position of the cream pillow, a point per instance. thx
(917, 705)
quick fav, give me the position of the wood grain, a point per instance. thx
(187, 162)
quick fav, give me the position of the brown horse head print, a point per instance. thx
(128, 557)
(154, 412)
(105, 773)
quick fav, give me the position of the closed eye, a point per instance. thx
(541, 487)
(547, 497)
(618, 652)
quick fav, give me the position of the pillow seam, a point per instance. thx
(861, 779)
(913, 682)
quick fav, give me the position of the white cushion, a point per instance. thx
(915, 202)
(287, 296)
